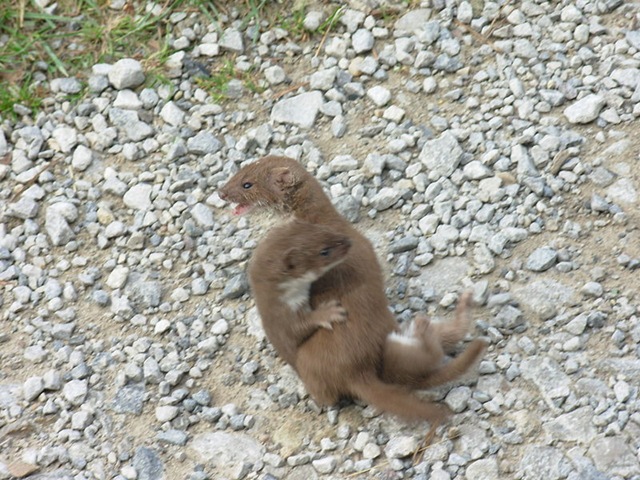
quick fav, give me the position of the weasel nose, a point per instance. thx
(222, 194)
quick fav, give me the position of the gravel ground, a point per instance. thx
(479, 145)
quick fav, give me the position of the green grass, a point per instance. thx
(81, 33)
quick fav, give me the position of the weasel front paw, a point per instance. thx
(332, 312)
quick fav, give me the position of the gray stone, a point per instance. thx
(57, 217)
(592, 289)
(75, 391)
(300, 110)
(385, 198)
(343, 163)
(575, 426)
(362, 41)
(585, 110)
(82, 158)
(231, 40)
(129, 399)
(145, 293)
(25, 207)
(615, 456)
(4, 148)
(32, 388)
(173, 437)
(226, 452)
(542, 259)
(483, 469)
(172, 114)
(400, 446)
(147, 464)
(202, 215)
(540, 462)
(412, 21)
(379, 95)
(204, 143)
(548, 376)
(441, 156)
(235, 287)
(633, 38)
(126, 73)
(66, 138)
(623, 191)
(118, 277)
(457, 399)
(322, 79)
(275, 74)
(138, 196)
(313, 20)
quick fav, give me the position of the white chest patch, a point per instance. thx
(295, 292)
(403, 339)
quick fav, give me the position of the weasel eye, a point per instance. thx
(247, 185)
(325, 252)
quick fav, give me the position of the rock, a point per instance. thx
(204, 143)
(75, 391)
(226, 452)
(57, 217)
(202, 215)
(412, 21)
(275, 74)
(32, 388)
(614, 455)
(231, 40)
(542, 259)
(300, 110)
(385, 198)
(82, 158)
(118, 277)
(138, 196)
(147, 464)
(172, 114)
(379, 95)
(623, 191)
(575, 426)
(400, 446)
(126, 73)
(66, 138)
(362, 41)
(544, 462)
(457, 399)
(585, 110)
(547, 375)
(25, 207)
(129, 399)
(441, 156)
(483, 469)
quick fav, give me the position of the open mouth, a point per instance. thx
(241, 209)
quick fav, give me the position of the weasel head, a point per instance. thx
(268, 182)
(315, 251)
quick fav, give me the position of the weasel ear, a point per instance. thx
(284, 178)
(291, 259)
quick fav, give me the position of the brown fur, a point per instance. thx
(349, 360)
(276, 264)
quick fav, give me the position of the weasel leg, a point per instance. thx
(398, 401)
(328, 313)
(409, 356)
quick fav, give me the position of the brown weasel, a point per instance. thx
(281, 270)
(282, 184)
(318, 343)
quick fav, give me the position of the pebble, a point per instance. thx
(542, 259)
(300, 110)
(400, 447)
(126, 73)
(585, 110)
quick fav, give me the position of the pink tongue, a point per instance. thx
(240, 209)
